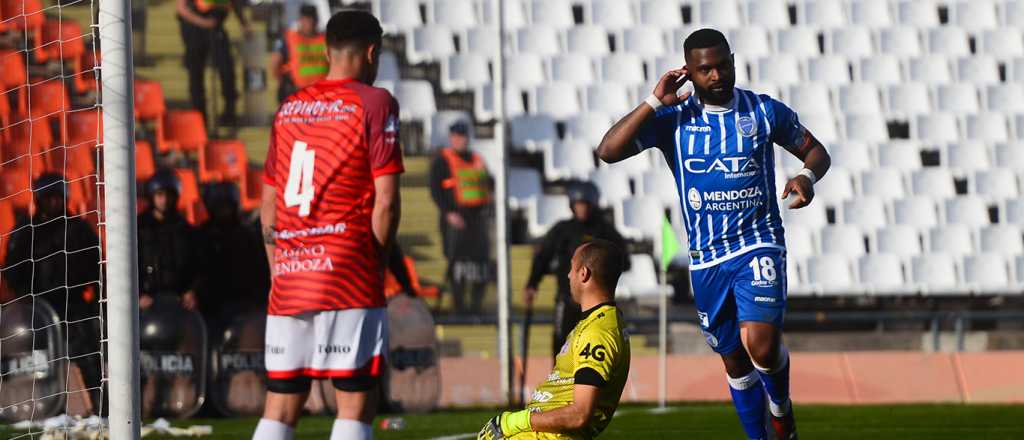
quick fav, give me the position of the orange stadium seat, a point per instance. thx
(145, 166)
(63, 39)
(5, 117)
(223, 161)
(26, 138)
(189, 202)
(252, 189)
(15, 187)
(85, 74)
(26, 16)
(186, 128)
(50, 100)
(14, 76)
(150, 106)
(7, 223)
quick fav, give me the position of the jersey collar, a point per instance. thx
(587, 312)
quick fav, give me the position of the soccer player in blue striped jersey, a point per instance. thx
(719, 143)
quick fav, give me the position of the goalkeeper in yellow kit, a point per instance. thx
(579, 397)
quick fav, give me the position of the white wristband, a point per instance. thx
(806, 172)
(654, 102)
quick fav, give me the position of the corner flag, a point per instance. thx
(669, 243)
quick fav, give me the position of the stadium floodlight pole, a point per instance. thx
(501, 211)
(119, 216)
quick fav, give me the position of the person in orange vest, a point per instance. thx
(461, 189)
(202, 31)
(299, 58)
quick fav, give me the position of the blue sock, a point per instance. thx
(776, 384)
(748, 398)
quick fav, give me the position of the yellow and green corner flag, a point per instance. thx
(669, 243)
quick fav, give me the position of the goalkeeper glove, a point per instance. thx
(505, 425)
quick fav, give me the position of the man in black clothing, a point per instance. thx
(234, 276)
(461, 189)
(202, 31)
(57, 259)
(167, 253)
(558, 246)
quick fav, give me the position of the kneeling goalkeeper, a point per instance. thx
(579, 397)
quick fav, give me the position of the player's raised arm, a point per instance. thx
(619, 142)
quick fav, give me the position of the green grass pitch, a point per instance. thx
(709, 421)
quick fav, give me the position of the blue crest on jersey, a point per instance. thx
(747, 127)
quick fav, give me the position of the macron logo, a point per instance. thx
(698, 129)
(764, 299)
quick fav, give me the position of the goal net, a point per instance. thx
(53, 294)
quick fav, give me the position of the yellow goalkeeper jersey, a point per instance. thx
(595, 353)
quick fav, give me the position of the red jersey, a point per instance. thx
(328, 143)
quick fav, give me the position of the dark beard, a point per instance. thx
(708, 97)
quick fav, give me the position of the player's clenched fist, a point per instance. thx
(803, 188)
(668, 87)
(505, 425)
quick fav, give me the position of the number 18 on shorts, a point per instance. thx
(748, 287)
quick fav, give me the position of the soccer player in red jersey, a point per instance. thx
(330, 211)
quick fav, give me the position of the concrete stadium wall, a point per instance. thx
(830, 378)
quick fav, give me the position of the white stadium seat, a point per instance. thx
(544, 211)
(936, 274)
(539, 40)
(750, 41)
(400, 16)
(483, 102)
(796, 282)
(533, 133)
(640, 218)
(904, 41)
(570, 159)
(810, 98)
(1010, 155)
(489, 151)
(430, 43)
(800, 42)
(660, 183)
(851, 42)
(1003, 43)
(871, 13)
(588, 40)
(663, 14)
(957, 98)
(1013, 212)
(919, 13)
(967, 210)
(465, 72)
(869, 127)
(589, 127)
(978, 69)
(966, 157)
(1001, 239)
(625, 69)
(836, 187)
(673, 61)
(457, 15)
(811, 216)
(614, 15)
(641, 280)
(800, 241)
(417, 98)
(975, 15)
(1018, 264)
(611, 98)
(524, 185)
(881, 70)
(832, 275)
(882, 274)
(986, 273)
(936, 127)
(904, 156)
(1017, 69)
(919, 212)
(949, 41)
(1007, 98)
(558, 100)
(934, 182)
(823, 14)
(846, 240)
(988, 127)
(955, 240)
(644, 41)
(781, 69)
(884, 182)
(856, 157)
(769, 14)
(833, 70)
(868, 213)
(722, 14)
(613, 183)
(929, 69)
(515, 14)
(823, 126)
(441, 122)
(1013, 15)
(909, 100)
(573, 68)
(483, 40)
(554, 13)
(900, 240)
(525, 70)
(860, 99)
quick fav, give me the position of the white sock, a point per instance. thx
(346, 429)
(273, 430)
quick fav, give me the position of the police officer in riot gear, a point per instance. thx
(167, 252)
(557, 247)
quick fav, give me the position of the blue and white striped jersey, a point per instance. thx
(724, 167)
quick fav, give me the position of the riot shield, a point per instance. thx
(173, 359)
(238, 382)
(33, 361)
(413, 376)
